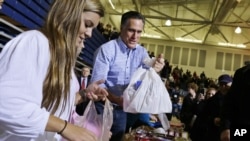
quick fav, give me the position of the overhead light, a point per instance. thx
(237, 30)
(111, 3)
(232, 45)
(168, 23)
(150, 35)
(188, 40)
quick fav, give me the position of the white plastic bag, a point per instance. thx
(146, 93)
(100, 124)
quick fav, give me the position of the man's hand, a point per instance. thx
(159, 63)
(116, 99)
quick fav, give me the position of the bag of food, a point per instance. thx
(146, 93)
(100, 124)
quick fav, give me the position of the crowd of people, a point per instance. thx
(209, 109)
(48, 89)
(197, 101)
(108, 32)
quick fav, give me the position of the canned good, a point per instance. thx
(145, 138)
(140, 132)
(160, 139)
(184, 135)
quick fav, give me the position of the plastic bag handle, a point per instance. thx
(107, 118)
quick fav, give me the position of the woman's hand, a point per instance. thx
(76, 133)
(92, 92)
(95, 92)
(69, 131)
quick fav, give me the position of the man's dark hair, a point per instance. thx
(131, 15)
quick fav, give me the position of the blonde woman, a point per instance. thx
(38, 87)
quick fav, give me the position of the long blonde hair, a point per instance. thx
(61, 28)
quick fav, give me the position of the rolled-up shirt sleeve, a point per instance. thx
(24, 62)
(101, 64)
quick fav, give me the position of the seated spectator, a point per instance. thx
(152, 54)
(203, 75)
(100, 28)
(175, 97)
(107, 31)
(1, 3)
(114, 34)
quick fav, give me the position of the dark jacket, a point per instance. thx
(211, 111)
(187, 111)
(235, 109)
(80, 83)
(80, 108)
(199, 128)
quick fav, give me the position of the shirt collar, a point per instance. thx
(123, 46)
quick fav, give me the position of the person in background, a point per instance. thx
(116, 61)
(152, 54)
(188, 106)
(83, 80)
(165, 72)
(203, 75)
(235, 108)
(107, 31)
(100, 27)
(212, 109)
(199, 127)
(210, 92)
(114, 34)
(36, 102)
(1, 3)
(175, 98)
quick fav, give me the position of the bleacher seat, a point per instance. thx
(27, 12)
(91, 45)
(31, 14)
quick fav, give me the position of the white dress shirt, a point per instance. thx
(24, 62)
(85, 79)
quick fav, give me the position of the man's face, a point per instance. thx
(131, 32)
(85, 72)
(224, 87)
